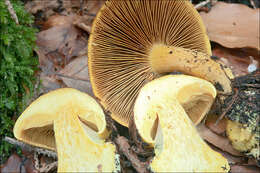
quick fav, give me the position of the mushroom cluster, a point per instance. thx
(133, 45)
(134, 42)
(73, 124)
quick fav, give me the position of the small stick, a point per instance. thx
(49, 167)
(125, 148)
(229, 106)
(201, 4)
(84, 27)
(11, 11)
(31, 148)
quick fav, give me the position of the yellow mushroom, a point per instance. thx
(161, 115)
(243, 138)
(134, 42)
(73, 124)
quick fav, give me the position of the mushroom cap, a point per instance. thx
(35, 125)
(121, 38)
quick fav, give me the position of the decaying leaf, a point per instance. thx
(13, 164)
(231, 159)
(60, 44)
(219, 127)
(47, 8)
(237, 59)
(217, 140)
(243, 168)
(75, 75)
(233, 25)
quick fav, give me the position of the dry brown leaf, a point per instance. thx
(60, 44)
(75, 75)
(244, 169)
(233, 25)
(231, 159)
(216, 140)
(59, 20)
(218, 128)
(13, 164)
(47, 8)
(237, 59)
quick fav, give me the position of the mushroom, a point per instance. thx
(245, 138)
(134, 42)
(73, 124)
(161, 115)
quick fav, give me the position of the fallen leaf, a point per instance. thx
(231, 159)
(49, 83)
(237, 59)
(75, 75)
(46, 8)
(58, 45)
(244, 169)
(13, 164)
(233, 25)
(88, 7)
(217, 140)
(59, 20)
(218, 128)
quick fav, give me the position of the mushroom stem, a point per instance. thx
(165, 59)
(174, 121)
(163, 121)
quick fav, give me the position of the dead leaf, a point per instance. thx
(233, 25)
(237, 59)
(47, 8)
(88, 7)
(13, 164)
(244, 169)
(218, 128)
(75, 75)
(231, 159)
(216, 140)
(59, 44)
(59, 20)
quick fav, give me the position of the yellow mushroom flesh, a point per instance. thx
(163, 122)
(73, 124)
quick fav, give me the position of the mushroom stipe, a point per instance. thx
(178, 146)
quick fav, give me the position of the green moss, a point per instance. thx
(17, 67)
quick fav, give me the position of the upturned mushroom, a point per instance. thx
(73, 124)
(161, 115)
(134, 42)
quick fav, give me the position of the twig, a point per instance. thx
(30, 148)
(49, 167)
(125, 148)
(72, 77)
(11, 11)
(84, 27)
(229, 106)
(201, 4)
